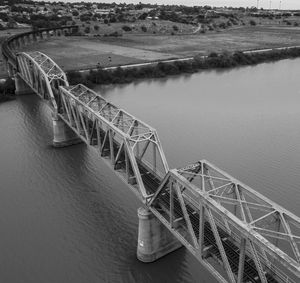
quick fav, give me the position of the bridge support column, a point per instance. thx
(21, 87)
(62, 134)
(154, 239)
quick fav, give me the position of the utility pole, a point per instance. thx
(280, 5)
(270, 5)
(257, 4)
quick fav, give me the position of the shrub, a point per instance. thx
(143, 28)
(126, 28)
(222, 25)
(115, 34)
(74, 77)
(87, 30)
(175, 28)
(213, 55)
(252, 23)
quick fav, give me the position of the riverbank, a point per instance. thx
(197, 63)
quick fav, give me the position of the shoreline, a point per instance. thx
(160, 69)
(190, 58)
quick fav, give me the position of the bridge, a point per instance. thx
(238, 234)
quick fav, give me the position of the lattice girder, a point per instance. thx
(42, 74)
(126, 141)
(204, 189)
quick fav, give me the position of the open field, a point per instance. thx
(83, 52)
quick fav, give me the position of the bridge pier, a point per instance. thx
(63, 135)
(22, 88)
(154, 239)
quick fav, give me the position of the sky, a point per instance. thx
(275, 4)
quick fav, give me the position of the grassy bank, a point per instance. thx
(213, 61)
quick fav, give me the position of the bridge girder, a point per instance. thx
(124, 139)
(42, 74)
(201, 201)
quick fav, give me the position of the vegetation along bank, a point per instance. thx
(160, 70)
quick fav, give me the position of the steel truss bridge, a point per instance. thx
(235, 232)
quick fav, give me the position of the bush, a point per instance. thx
(222, 25)
(213, 55)
(87, 30)
(252, 23)
(175, 28)
(115, 34)
(74, 77)
(143, 28)
(126, 28)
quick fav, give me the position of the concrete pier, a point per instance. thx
(63, 135)
(154, 239)
(22, 88)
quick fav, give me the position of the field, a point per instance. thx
(84, 52)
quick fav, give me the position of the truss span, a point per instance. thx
(132, 147)
(215, 215)
(42, 74)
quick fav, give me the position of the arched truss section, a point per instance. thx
(43, 75)
(216, 216)
(132, 147)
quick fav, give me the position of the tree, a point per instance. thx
(175, 28)
(75, 13)
(126, 28)
(143, 16)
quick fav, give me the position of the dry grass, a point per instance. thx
(81, 52)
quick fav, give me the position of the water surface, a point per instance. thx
(64, 215)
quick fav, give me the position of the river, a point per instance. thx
(64, 215)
